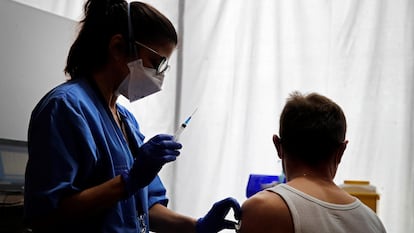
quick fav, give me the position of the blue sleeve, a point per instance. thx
(61, 155)
(156, 193)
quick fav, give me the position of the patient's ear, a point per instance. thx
(276, 142)
(341, 151)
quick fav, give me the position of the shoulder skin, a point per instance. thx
(266, 212)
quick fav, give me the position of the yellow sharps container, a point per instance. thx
(362, 190)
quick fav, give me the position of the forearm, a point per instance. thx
(89, 202)
(94, 199)
(163, 219)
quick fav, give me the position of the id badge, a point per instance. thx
(142, 224)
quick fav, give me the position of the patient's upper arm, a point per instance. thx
(265, 212)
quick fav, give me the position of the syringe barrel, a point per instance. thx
(178, 132)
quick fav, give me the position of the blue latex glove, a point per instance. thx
(149, 159)
(215, 221)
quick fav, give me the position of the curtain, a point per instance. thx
(237, 62)
(241, 59)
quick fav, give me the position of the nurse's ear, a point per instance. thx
(117, 48)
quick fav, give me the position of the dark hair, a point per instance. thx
(106, 18)
(311, 127)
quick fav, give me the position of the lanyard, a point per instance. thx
(133, 147)
(131, 142)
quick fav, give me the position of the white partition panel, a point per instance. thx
(33, 50)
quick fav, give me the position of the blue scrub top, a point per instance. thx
(74, 144)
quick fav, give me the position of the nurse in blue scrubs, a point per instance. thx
(89, 169)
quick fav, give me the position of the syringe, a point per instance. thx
(182, 126)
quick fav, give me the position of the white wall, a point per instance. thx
(71, 9)
(33, 48)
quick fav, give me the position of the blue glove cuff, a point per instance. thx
(128, 189)
(199, 227)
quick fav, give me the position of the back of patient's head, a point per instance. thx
(311, 128)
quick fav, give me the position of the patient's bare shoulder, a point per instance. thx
(265, 212)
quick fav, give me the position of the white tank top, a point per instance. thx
(311, 215)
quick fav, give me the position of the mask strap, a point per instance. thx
(132, 48)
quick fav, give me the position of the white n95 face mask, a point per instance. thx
(140, 82)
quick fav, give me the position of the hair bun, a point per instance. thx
(110, 2)
(102, 6)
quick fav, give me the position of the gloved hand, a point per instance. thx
(149, 159)
(215, 221)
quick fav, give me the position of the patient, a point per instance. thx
(311, 145)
